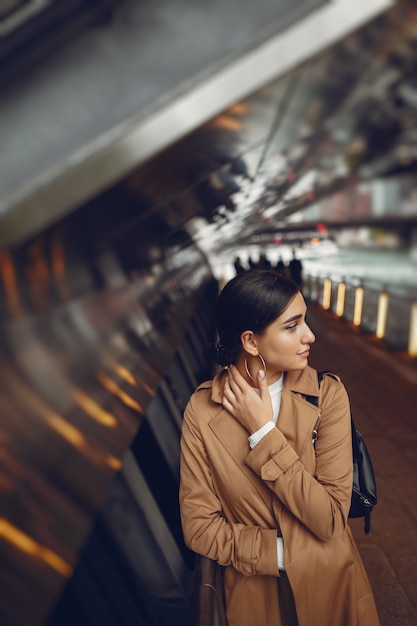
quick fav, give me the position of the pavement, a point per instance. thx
(382, 386)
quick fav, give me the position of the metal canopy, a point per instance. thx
(77, 136)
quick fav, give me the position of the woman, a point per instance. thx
(266, 476)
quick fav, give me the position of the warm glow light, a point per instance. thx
(357, 313)
(121, 371)
(7, 485)
(226, 122)
(93, 409)
(111, 386)
(58, 268)
(340, 305)
(38, 275)
(239, 108)
(113, 462)
(28, 545)
(66, 430)
(149, 390)
(327, 293)
(8, 273)
(381, 321)
(412, 339)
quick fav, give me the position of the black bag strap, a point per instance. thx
(364, 494)
(314, 399)
(320, 374)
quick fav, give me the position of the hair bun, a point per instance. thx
(220, 353)
(219, 348)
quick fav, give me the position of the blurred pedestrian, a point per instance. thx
(238, 265)
(252, 263)
(295, 268)
(280, 266)
(264, 263)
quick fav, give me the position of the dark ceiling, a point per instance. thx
(32, 30)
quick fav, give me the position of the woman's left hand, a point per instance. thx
(252, 410)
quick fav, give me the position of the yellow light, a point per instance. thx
(340, 305)
(357, 313)
(28, 545)
(412, 339)
(66, 430)
(381, 321)
(327, 293)
(8, 274)
(239, 108)
(113, 462)
(121, 371)
(111, 386)
(226, 122)
(149, 390)
(93, 409)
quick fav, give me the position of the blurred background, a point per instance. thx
(149, 151)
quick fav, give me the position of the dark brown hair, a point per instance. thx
(250, 301)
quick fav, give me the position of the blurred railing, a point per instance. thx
(208, 599)
(387, 312)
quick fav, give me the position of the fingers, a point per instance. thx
(236, 380)
(235, 387)
(236, 392)
(229, 398)
(247, 406)
(227, 390)
(231, 389)
(263, 385)
(227, 405)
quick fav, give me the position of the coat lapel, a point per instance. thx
(234, 440)
(297, 420)
(297, 417)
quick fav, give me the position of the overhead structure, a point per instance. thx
(124, 91)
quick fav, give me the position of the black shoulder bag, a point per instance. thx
(364, 484)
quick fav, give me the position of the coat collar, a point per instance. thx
(297, 417)
(303, 382)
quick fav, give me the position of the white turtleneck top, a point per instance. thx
(275, 391)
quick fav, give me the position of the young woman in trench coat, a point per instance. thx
(266, 476)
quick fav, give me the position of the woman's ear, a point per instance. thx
(249, 342)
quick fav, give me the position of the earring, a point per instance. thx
(247, 369)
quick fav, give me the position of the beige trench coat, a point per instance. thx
(234, 501)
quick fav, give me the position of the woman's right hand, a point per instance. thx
(252, 410)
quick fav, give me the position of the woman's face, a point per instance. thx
(285, 343)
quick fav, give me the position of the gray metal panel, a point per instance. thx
(143, 535)
(148, 53)
(187, 71)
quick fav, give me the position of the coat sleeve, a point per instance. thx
(320, 501)
(250, 549)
